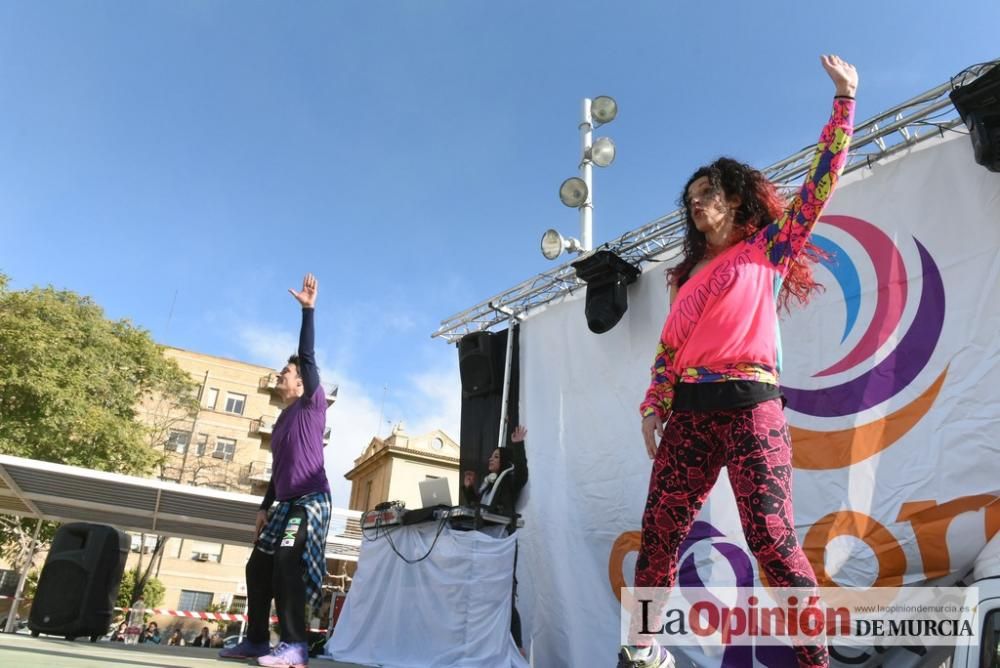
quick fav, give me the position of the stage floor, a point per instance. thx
(23, 651)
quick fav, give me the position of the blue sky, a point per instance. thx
(192, 159)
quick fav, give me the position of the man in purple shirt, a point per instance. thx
(288, 561)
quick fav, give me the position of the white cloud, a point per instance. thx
(435, 399)
(267, 346)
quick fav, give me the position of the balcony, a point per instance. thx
(263, 425)
(259, 471)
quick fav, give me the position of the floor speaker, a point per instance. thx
(78, 586)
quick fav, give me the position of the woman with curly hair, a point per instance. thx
(714, 398)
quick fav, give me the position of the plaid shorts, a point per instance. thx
(317, 507)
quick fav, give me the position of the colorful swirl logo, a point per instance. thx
(743, 576)
(820, 450)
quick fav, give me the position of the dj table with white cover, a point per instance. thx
(451, 609)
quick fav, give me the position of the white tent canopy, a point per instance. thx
(30, 488)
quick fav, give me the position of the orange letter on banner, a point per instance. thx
(890, 555)
(625, 543)
(930, 522)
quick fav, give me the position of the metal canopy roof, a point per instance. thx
(60, 493)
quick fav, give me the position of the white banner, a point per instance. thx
(893, 401)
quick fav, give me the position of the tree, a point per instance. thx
(152, 595)
(71, 383)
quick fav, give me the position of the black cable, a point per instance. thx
(387, 532)
(943, 127)
(441, 524)
(978, 69)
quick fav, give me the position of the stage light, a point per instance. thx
(604, 109)
(573, 192)
(553, 244)
(978, 103)
(607, 277)
(602, 153)
(578, 192)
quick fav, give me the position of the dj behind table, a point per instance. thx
(433, 588)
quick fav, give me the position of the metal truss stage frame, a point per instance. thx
(927, 115)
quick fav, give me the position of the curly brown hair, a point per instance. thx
(760, 204)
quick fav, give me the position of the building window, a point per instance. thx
(225, 448)
(202, 444)
(211, 398)
(235, 402)
(202, 551)
(239, 605)
(195, 601)
(177, 441)
(150, 544)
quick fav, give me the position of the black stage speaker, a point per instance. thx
(480, 428)
(478, 363)
(79, 583)
(978, 102)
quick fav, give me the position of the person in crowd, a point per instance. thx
(203, 639)
(151, 634)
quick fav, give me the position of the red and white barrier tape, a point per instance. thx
(192, 614)
(218, 616)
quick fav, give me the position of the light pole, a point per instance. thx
(578, 192)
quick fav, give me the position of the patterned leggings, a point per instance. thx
(753, 444)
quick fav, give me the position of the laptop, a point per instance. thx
(435, 492)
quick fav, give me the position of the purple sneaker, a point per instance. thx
(287, 655)
(246, 650)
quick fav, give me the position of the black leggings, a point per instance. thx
(279, 576)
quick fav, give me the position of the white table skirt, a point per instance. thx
(449, 610)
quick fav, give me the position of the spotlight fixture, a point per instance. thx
(607, 277)
(978, 103)
(602, 153)
(604, 109)
(553, 245)
(578, 192)
(573, 192)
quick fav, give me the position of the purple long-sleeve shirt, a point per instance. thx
(297, 440)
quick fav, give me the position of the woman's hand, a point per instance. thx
(519, 434)
(842, 73)
(652, 432)
(469, 479)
